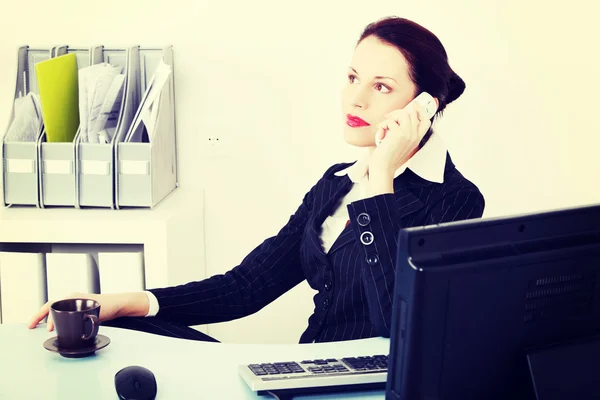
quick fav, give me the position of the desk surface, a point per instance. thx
(183, 369)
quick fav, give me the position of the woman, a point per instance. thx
(343, 237)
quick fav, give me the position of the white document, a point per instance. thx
(100, 89)
(106, 122)
(83, 103)
(22, 286)
(27, 123)
(121, 272)
(71, 272)
(106, 135)
(149, 114)
(150, 104)
(96, 83)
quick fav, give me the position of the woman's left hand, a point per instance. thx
(402, 132)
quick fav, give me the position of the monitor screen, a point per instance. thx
(474, 298)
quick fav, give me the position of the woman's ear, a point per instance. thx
(437, 103)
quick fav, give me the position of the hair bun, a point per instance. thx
(456, 87)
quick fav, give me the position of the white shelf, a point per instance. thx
(172, 234)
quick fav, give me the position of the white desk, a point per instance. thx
(183, 369)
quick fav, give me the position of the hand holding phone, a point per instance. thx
(425, 100)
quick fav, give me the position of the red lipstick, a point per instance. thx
(355, 122)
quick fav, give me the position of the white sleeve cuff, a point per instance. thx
(153, 309)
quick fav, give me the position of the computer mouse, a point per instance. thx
(135, 383)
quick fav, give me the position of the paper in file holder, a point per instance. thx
(82, 174)
(20, 157)
(57, 160)
(95, 180)
(133, 174)
(146, 172)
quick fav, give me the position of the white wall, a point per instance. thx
(265, 77)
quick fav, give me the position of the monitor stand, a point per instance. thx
(566, 371)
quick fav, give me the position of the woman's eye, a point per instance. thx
(351, 78)
(382, 88)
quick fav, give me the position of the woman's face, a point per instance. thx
(378, 82)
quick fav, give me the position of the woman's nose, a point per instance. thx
(359, 99)
(355, 97)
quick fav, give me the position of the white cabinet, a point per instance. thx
(22, 285)
(171, 236)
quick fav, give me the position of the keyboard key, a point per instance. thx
(366, 363)
(320, 362)
(259, 373)
(331, 360)
(353, 362)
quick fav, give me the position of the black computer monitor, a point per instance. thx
(475, 299)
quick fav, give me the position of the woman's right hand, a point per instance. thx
(111, 306)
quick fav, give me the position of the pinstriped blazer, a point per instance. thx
(354, 280)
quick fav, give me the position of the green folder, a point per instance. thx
(59, 97)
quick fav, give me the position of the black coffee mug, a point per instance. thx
(71, 318)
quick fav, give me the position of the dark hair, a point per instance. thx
(427, 60)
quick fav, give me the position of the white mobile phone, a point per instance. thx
(425, 100)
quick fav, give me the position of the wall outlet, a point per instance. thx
(215, 146)
(214, 141)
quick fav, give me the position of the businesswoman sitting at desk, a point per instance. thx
(343, 237)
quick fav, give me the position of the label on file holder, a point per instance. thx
(131, 167)
(58, 167)
(91, 167)
(20, 166)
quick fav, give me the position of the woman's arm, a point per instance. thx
(270, 270)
